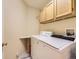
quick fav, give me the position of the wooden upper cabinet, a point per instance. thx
(49, 11)
(64, 7)
(58, 9)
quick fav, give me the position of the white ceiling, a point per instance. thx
(37, 3)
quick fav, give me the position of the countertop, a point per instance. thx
(58, 43)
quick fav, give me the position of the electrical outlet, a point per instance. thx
(70, 32)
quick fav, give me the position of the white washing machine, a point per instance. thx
(45, 47)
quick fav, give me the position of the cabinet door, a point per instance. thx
(63, 7)
(43, 15)
(49, 12)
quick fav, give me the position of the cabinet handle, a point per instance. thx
(4, 44)
(72, 9)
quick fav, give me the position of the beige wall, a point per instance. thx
(59, 26)
(19, 21)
